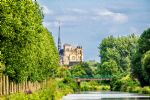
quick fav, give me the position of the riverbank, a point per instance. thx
(57, 88)
(54, 90)
(137, 89)
(126, 83)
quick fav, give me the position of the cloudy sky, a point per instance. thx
(87, 22)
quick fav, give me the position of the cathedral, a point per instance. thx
(69, 54)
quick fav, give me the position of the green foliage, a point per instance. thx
(2, 65)
(121, 82)
(51, 92)
(146, 90)
(67, 83)
(132, 57)
(63, 72)
(48, 93)
(94, 66)
(80, 70)
(90, 86)
(87, 69)
(77, 71)
(140, 60)
(108, 68)
(119, 50)
(146, 66)
(116, 55)
(144, 42)
(28, 48)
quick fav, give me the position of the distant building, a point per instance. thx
(69, 55)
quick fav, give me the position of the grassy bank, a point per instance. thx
(126, 83)
(93, 86)
(53, 91)
(137, 89)
(56, 89)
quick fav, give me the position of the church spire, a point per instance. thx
(59, 39)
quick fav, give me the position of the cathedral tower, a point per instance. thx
(59, 39)
(69, 54)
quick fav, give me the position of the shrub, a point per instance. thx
(88, 86)
(146, 90)
(105, 87)
(134, 89)
(123, 83)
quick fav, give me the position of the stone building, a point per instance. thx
(69, 54)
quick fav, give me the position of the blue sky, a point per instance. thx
(87, 22)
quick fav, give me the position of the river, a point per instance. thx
(105, 95)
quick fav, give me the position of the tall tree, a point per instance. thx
(140, 61)
(118, 51)
(2, 66)
(28, 48)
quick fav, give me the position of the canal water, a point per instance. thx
(106, 95)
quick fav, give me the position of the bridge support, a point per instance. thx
(78, 84)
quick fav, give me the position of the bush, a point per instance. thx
(137, 89)
(146, 90)
(123, 83)
(134, 89)
(105, 87)
(89, 86)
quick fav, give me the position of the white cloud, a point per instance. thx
(66, 18)
(47, 11)
(69, 16)
(55, 24)
(51, 24)
(77, 10)
(110, 16)
(120, 17)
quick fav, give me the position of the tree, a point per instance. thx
(144, 42)
(2, 66)
(141, 58)
(104, 45)
(108, 68)
(87, 69)
(63, 72)
(28, 48)
(119, 49)
(146, 66)
(77, 71)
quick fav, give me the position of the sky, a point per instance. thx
(88, 22)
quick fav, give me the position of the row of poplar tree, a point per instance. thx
(27, 48)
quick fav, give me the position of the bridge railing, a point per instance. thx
(97, 76)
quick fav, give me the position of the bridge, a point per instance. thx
(79, 79)
(90, 78)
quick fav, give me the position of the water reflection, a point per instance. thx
(105, 96)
